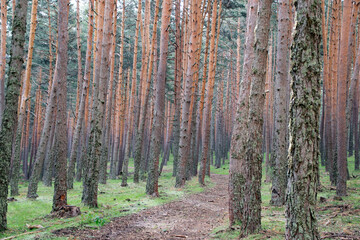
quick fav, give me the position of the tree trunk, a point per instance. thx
(9, 122)
(208, 106)
(177, 88)
(236, 179)
(184, 142)
(279, 150)
(304, 123)
(91, 178)
(119, 104)
(15, 171)
(158, 125)
(60, 76)
(333, 64)
(341, 101)
(2, 57)
(251, 153)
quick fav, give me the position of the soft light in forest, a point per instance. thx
(187, 119)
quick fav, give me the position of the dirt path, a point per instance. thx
(192, 217)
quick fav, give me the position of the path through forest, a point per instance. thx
(192, 217)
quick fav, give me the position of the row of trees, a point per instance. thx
(146, 91)
(294, 131)
(144, 110)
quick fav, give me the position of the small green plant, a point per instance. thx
(99, 221)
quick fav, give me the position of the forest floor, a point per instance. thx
(189, 213)
(192, 217)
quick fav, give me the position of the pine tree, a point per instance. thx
(60, 76)
(304, 123)
(9, 122)
(158, 125)
(279, 149)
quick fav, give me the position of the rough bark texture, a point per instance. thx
(9, 123)
(91, 178)
(26, 86)
(304, 123)
(251, 155)
(61, 144)
(279, 153)
(158, 124)
(236, 180)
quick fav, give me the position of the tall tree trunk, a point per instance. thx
(119, 104)
(177, 88)
(279, 150)
(158, 124)
(327, 97)
(251, 152)
(304, 123)
(9, 122)
(209, 96)
(334, 86)
(61, 145)
(134, 74)
(341, 101)
(109, 100)
(184, 142)
(2, 57)
(91, 178)
(78, 45)
(15, 171)
(236, 179)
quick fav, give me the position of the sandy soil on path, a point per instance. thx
(192, 217)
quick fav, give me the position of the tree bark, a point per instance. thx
(26, 86)
(279, 150)
(177, 88)
(158, 124)
(184, 142)
(60, 76)
(251, 153)
(236, 179)
(304, 123)
(91, 178)
(210, 86)
(9, 122)
(341, 101)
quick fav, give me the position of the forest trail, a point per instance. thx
(192, 217)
